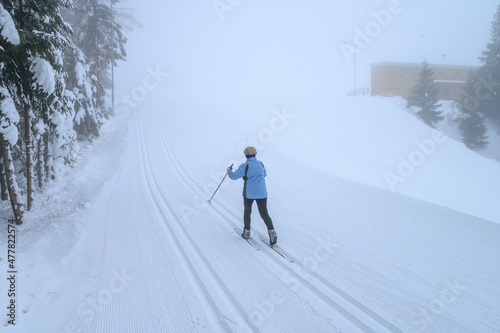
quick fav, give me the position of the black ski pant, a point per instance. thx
(262, 205)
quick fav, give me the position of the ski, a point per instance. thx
(276, 249)
(249, 240)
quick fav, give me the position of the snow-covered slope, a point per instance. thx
(147, 253)
(372, 140)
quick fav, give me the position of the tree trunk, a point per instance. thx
(3, 184)
(29, 173)
(39, 163)
(46, 155)
(10, 177)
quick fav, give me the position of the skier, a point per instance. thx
(253, 173)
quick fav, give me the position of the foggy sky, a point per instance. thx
(294, 46)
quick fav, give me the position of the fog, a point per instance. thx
(235, 47)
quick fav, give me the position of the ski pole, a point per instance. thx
(210, 201)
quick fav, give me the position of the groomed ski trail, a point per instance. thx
(121, 268)
(315, 285)
(215, 294)
(242, 297)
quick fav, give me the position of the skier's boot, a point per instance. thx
(273, 238)
(246, 233)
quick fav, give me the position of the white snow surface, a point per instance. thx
(7, 27)
(126, 241)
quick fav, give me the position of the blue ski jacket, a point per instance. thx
(255, 184)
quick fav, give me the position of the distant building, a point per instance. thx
(396, 78)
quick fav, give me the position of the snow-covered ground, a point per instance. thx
(127, 243)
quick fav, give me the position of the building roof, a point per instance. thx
(449, 81)
(414, 64)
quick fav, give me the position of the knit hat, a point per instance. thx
(250, 151)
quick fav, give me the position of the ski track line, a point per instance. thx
(258, 246)
(180, 308)
(320, 280)
(269, 252)
(105, 314)
(211, 308)
(359, 308)
(168, 215)
(181, 311)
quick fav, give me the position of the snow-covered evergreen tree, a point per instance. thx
(52, 84)
(481, 97)
(471, 121)
(425, 96)
(86, 121)
(93, 23)
(490, 71)
(9, 117)
(51, 99)
(473, 130)
(38, 78)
